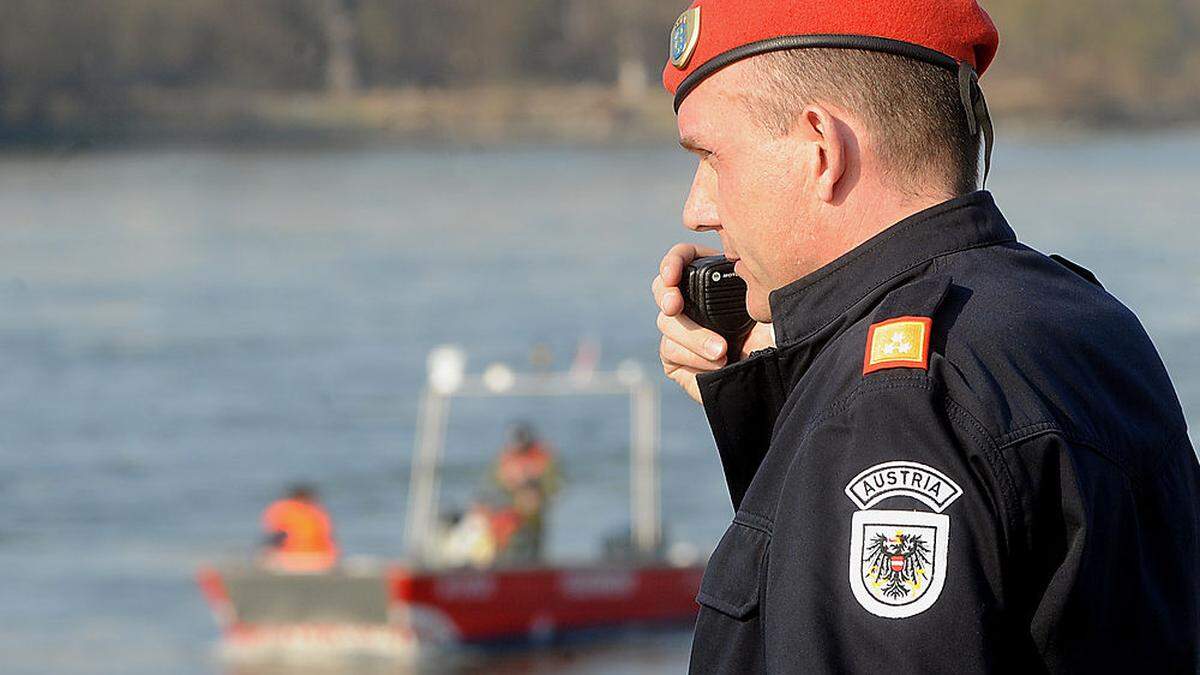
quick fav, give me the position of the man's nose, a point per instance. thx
(700, 210)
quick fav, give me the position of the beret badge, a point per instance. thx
(684, 36)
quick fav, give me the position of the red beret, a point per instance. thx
(712, 34)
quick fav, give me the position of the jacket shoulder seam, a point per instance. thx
(992, 452)
(865, 387)
(754, 521)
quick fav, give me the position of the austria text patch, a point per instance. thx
(898, 343)
(890, 479)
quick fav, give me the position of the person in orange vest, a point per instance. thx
(299, 533)
(528, 473)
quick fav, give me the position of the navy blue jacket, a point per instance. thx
(962, 456)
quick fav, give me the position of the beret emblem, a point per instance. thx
(684, 36)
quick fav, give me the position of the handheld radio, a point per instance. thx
(714, 296)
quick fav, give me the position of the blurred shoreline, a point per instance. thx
(513, 114)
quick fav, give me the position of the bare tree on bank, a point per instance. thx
(91, 65)
(341, 66)
(632, 70)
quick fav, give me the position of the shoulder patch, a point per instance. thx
(902, 342)
(911, 479)
(898, 559)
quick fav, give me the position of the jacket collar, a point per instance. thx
(806, 306)
(744, 400)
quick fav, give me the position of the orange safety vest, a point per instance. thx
(308, 543)
(504, 523)
(520, 467)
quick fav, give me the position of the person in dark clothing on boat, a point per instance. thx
(527, 471)
(946, 451)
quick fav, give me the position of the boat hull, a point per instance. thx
(400, 611)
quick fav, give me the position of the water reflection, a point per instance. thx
(185, 331)
(663, 651)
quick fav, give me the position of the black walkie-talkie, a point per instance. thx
(714, 296)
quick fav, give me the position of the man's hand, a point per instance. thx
(686, 348)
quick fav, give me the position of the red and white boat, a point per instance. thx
(410, 608)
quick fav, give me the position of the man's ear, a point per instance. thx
(820, 127)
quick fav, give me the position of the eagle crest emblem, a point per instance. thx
(898, 558)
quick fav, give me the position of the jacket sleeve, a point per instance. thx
(889, 550)
(1106, 581)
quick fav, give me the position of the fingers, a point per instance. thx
(674, 354)
(668, 298)
(695, 339)
(670, 273)
(686, 378)
(685, 349)
(671, 267)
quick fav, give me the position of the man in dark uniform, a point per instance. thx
(946, 451)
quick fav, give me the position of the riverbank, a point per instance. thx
(500, 115)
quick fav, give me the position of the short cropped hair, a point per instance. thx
(914, 109)
(302, 491)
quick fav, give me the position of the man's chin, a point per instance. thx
(758, 306)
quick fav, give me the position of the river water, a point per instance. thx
(184, 331)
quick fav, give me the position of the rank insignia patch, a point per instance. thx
(898, 558)
(898, 343)
(684, 36)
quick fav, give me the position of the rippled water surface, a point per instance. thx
(182, 332)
